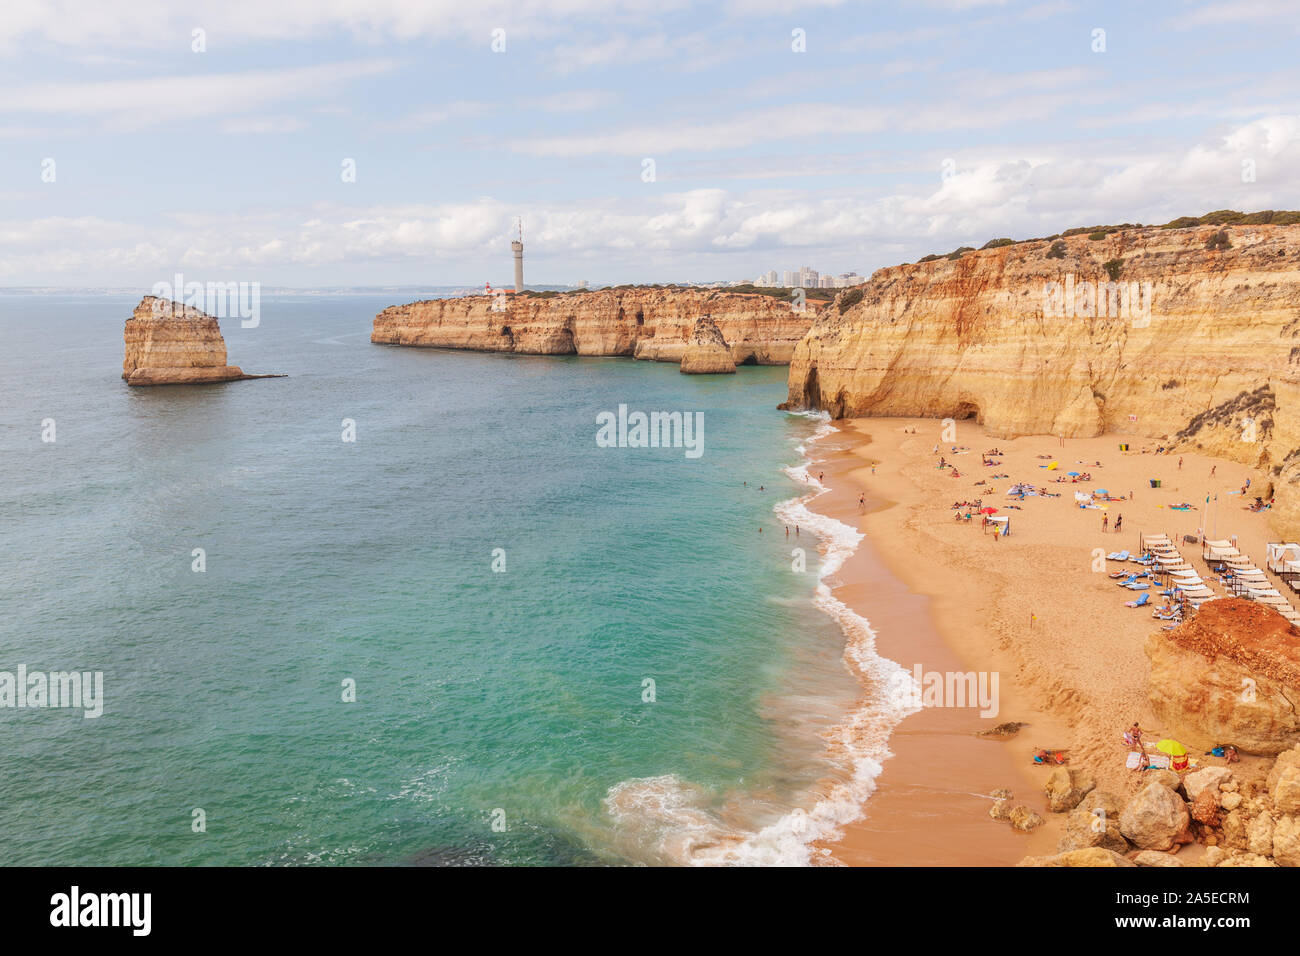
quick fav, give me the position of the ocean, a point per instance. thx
(471, 635)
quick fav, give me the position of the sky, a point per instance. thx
(325, 143)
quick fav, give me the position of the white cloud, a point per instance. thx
(663, 235)
(137, 103)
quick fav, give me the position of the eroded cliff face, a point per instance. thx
(1207, 354)
(1229, 675)
(172, 344)
(645, 323)
(707, 352)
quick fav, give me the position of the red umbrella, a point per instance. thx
(988, 511)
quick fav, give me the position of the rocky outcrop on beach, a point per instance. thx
(643, 322)
(1251, 821)
(707, 352)
(1189, 336)
(172, 344)
(1229, 675)
(1092, 856)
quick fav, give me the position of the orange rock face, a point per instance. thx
(1213, 364)
(172, 344)
(1230, 675)
(645, 323)
(707, 353)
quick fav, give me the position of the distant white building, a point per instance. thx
(787, 278)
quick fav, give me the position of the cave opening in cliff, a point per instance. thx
(640, 317)
(966, 410)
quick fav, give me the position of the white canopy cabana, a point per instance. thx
(1279, 555)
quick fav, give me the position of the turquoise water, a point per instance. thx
(480, 696)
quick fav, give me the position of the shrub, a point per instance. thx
(1058, 250)
(1113, 268)
(998, 243)
(1098, 235)
(1219, 240)
(959, 252)
(929, 258)
(849, 299)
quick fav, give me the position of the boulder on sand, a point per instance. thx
(1207, 778)
(1155, 858)
(1092, 856)
(1154, 819)
(1024, 819)
(1066, 787)
(1284, 781)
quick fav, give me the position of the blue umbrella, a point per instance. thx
(1101, 491)
(1073, 474)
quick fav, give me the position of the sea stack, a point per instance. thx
(707, 352)
(168, 343)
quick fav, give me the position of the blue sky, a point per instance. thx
(226, 164)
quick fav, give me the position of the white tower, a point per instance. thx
(518, 248)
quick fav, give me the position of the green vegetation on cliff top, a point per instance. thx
(1220, 217)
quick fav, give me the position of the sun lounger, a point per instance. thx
(1117, 556)
(1140, 602)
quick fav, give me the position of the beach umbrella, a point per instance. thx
(1171, 747)
(988, 511)
(1073, 474)
(1100, 491)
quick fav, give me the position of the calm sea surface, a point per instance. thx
(501, 717)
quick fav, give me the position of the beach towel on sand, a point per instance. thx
(1154, 761)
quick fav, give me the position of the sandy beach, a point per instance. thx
(1029, 608)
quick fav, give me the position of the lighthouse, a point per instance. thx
(518, 248)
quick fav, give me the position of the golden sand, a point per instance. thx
(1030, 607)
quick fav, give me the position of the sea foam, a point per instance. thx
(674, 814)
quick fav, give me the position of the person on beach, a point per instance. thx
(1213, 470)
(1133, 740)
(787, 531)
(1105, 523)
(862, 503)
(1119, 520)
(821, 476)
(796, 531)
(1180, 464)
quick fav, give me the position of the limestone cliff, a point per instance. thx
(707, 352)
(1230, 675)
(1174, 334)
(172, 344)
(643, 322)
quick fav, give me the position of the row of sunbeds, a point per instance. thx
(1246, 580)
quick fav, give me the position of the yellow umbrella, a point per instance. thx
(1171, 747)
